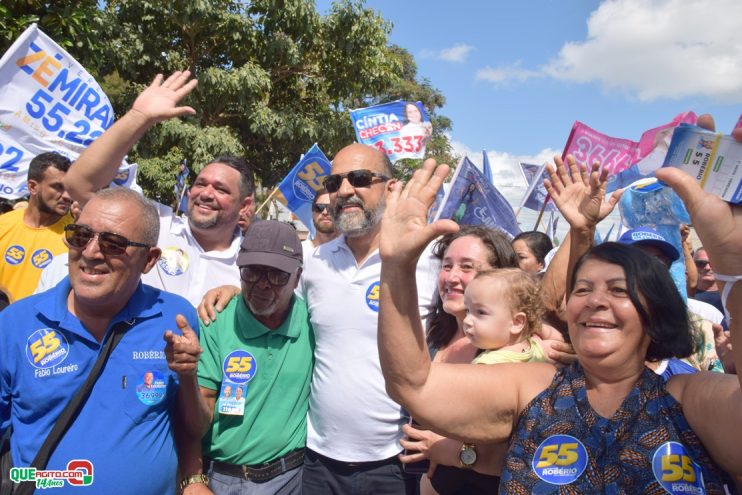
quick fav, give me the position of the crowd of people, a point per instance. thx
(219, 353)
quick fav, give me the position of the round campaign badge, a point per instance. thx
(239, 366)
(46, 348)
(372, 296)
(122, 176)
(14, 254)
(174, 261)
(560, 460)
(41, 257)
(151, 388)
(674, 469)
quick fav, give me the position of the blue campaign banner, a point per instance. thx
(401, 129)
(302, 184)
(473, 200)
(48, 102)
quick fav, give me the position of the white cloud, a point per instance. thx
(659, 49)
(501, 75)
(457, 53)
(650, 50)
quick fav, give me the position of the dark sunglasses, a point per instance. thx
(79, 236)
(701, 263)
(320, 207)
(253, 275)
(357, 178)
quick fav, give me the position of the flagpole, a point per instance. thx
(180, 199)
(541, 213)
(270, 196)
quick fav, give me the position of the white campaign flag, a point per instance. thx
(48, 102)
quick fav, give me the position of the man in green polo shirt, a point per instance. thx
(259, 350)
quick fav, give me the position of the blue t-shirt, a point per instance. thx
(124, 429)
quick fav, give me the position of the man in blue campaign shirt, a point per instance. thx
(49, 342)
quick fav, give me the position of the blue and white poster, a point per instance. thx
(400, 129)
(48, 102)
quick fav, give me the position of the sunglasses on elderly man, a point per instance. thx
(79, 236)
(320, 207)
(357, 178)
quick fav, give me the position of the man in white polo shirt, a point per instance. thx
(198, 253)
(354, 427)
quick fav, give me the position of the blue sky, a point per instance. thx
(516, 75)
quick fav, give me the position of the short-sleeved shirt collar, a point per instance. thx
(53, 306)
(252, 328)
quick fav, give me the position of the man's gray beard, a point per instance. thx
(355, 225)
(267, 311)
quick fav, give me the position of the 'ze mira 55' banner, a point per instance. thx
(48, 102)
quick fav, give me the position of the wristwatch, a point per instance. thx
(191, 480)
(467, 456)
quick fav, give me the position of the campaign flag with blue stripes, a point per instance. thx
(303, 183)
(473, 200)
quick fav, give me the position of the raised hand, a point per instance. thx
(580, 194)
(160, 100)
(404, 228)
(182, 351)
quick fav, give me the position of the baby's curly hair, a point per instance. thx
(523, 292)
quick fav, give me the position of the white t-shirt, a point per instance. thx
(351, 417)
(307, 248)
(184, 267)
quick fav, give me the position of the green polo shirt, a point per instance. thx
(275, 418)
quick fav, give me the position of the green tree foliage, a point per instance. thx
(274, 76)
(75, 25)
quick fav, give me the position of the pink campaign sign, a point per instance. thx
(588, 145)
